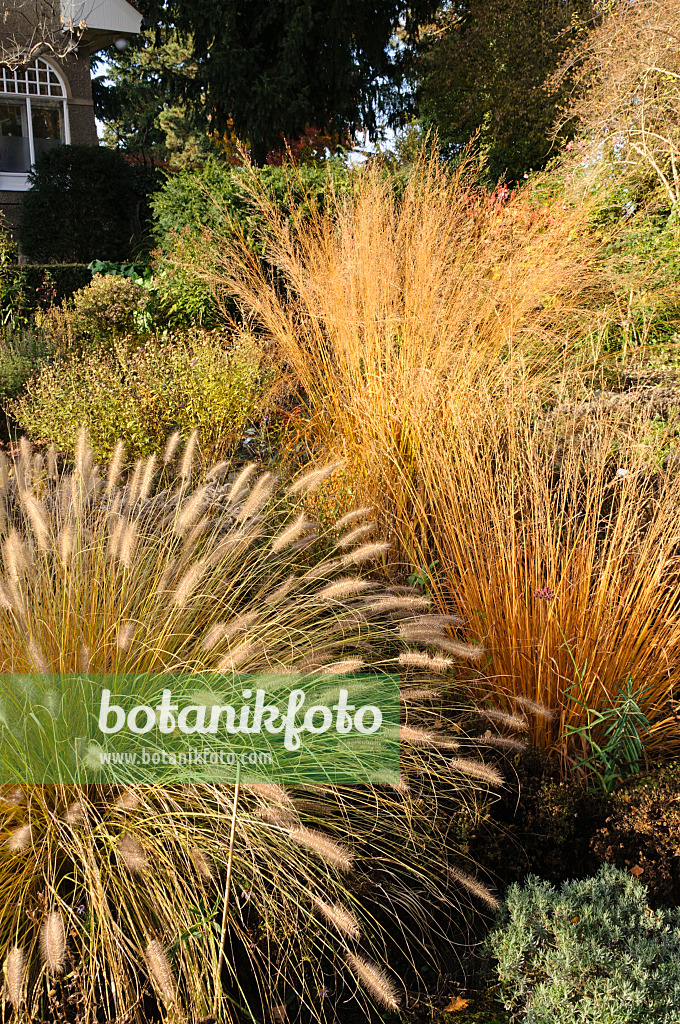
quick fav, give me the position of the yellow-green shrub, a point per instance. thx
(193, 380)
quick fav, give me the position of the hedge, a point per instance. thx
(64, 278)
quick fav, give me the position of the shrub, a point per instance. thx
(642, 832)
(131, 884)
(220, 197)
(191, 380)
(593, 951)
(108, 307)
(81, 206)
(56, 280)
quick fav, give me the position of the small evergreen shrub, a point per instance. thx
(82, 205)
(193, 380)
(592, 951)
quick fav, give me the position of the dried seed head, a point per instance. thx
(343, 588)
(415, 695)
(128, 545)
(351, 517)
(37, 657)
(53, 942)
(171, 447)
(534, 708)
(270, 791)
(14, 970)
(84, 456)
(341, 918)
(160, 972)
(279, 816)
(115, 467)
(187, 585)
(202, 864)
(477, 889)
(190, 511)
(84, 658)
(38, 519)
(343, 668)
(52, 467)
(75, 813)
(366, 553)
(240, 481)
(501, 742)
(116, 526)
(259, 496)
(374, 981)
(428, 662)
(148, 477)
(478, 770)
(415, 737)
(354, 535)
(128, 801)
(513, 722)
(126, 635)
(291, 533)
(19, 840)
(135, 481)
(132, 854)
(383, 605)
(6, 601)
(15, 555)
(189, 454)
(327, 849)
(281, 591)
(238, 655)
(312, 479)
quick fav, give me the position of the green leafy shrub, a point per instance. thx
(21, 355)
(192, 202)
(593, 951)
(82, 204)
(642, 832)
(194, 380)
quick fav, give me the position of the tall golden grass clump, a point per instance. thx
(204, 897)
(558, 539)
(428, 329)
(384, 303)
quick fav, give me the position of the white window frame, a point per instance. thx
(13, 181)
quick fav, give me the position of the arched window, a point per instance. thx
(33, 118)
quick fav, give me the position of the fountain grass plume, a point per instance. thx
(128, 868)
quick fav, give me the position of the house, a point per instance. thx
(48, 101)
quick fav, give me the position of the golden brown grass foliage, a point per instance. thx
(109, 896)
(394, 298)
(558, 539)
(428, 328)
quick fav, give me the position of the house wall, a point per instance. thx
(75, 70)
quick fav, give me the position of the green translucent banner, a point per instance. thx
(170, 728)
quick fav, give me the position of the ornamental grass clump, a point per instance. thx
(557, 538)
(201, 901)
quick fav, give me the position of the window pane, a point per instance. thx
(46, 121)
(15, 154)
(47, 127)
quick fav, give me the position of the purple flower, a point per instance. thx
(544, 593)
